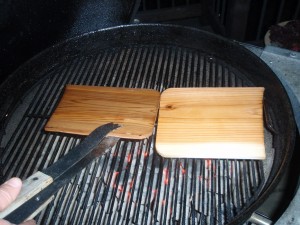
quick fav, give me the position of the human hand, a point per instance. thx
(8, 193)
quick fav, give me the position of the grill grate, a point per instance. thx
(131, 184)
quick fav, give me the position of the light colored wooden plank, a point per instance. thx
(211, 111)
(84, 108)
(209, 96)
(211, 123)
(31, 186)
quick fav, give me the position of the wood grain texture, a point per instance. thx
(84, 108)
(211, 123)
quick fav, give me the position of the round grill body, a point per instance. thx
(132, 184)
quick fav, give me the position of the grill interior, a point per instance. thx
(132, 184)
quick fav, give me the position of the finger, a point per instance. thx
(9, 192)
(4, 222)
(29, 222)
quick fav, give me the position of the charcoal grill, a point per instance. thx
(132, 184)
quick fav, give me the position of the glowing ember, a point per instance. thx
(208, 163)
(131, 182)
(115, 175)
(165, 171)
(128, 196)
(121, 188)
(129, 158)
(182, 168)
(166, 174)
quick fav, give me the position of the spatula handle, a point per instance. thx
(31, 186)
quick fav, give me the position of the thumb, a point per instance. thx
(29, 222)
(9, 192)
